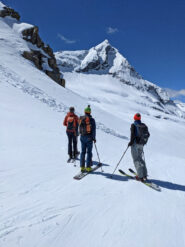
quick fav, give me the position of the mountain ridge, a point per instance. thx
(104, 59)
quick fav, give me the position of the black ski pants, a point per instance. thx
(72, 143)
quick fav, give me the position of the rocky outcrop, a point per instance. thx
(43, 58)
(35, 57)
(32, 35)
(6, 11)
(39, 53)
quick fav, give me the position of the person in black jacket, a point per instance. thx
(137, 143)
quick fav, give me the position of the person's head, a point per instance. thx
(87, 110)
(71, 109)
(137, 116)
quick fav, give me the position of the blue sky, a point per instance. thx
(150, 34)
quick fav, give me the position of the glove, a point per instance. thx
(94, 140)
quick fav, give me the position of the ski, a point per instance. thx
(152, 185)
(83, 174)
(147, 183)
(125, 174)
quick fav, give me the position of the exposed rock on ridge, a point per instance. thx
(39, 53)
(6, 11)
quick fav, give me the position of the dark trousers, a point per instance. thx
(87, 145)
(72, 143)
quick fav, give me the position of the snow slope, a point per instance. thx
(41, 205)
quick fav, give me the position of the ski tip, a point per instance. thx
(121, 171)
(131, 170)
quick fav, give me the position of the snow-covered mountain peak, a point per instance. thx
(103, 44)
(104, 59)
(100, 58)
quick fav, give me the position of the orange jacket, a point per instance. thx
(71, 114)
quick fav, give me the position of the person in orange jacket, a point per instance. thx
(71, 123)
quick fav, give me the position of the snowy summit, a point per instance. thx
(105, 60)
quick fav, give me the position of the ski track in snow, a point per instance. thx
(8, 227)
(40, 95)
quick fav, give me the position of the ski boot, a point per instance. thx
(88, 169)
(83, 169)
(139, 179)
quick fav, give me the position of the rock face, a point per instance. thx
(6, 11)
(43, 58)
(39, 53)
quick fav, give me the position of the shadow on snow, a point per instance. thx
(168, 185)
(163, 184)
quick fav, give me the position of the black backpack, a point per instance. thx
(142, 133)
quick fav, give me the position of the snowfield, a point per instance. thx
(41, 204)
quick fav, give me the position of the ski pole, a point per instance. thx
(119, 162)
(98, 156)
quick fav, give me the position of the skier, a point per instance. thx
(71, 123)
(139, 137)
(87, 126)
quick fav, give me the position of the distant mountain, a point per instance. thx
(176, 95)
(104, 59)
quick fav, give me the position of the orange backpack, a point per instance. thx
(71, 123)
(85, 125)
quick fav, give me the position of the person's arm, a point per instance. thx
(77, 125)
(132, 135)
(65, 121)
(93, 129)
(77, 121)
